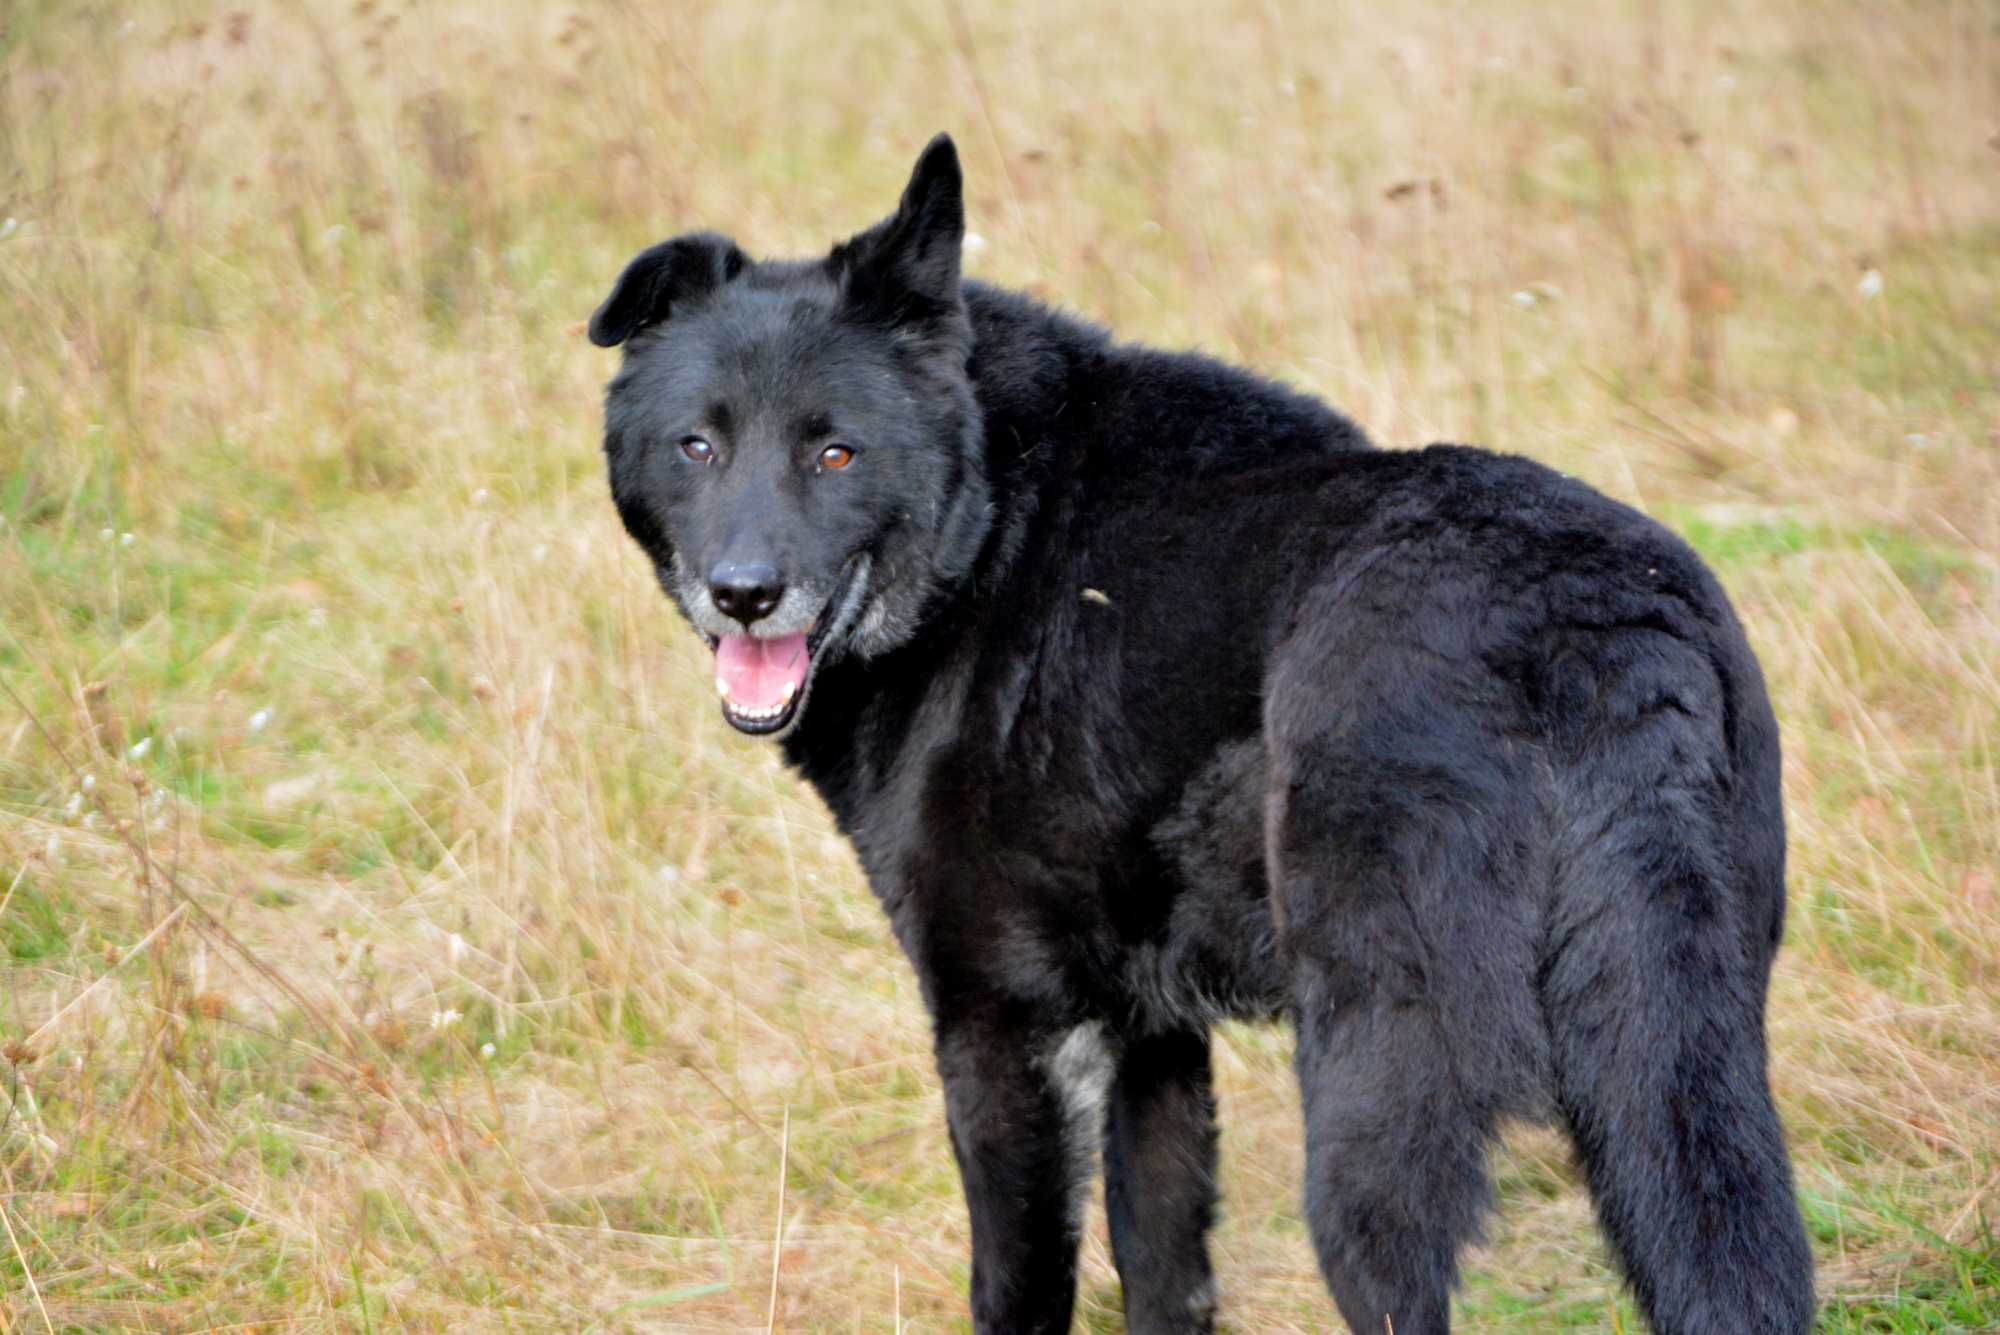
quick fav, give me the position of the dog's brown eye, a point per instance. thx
(835, 456)
(697, 449)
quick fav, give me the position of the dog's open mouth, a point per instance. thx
(763, 682)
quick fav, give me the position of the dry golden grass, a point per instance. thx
(392, 936)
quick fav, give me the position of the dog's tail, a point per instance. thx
(1668, 903)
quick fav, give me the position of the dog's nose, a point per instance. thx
(747, 592)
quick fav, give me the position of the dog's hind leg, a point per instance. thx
(1400, 856)
(1159, 1181)
(1668, 899)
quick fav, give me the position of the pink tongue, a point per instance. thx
(755, 674)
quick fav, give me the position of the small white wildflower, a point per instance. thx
(260, 720)
(974, 244)
(669, 873)
(487, 1050)
(9, 227)
(480, 497)
(1870, 286)
(90, 820)
(445, 1019)
(331, 236)
(126, 539)
(1725, 83)
(53, 848)
(316, 618)
(106, 534)
(140, 748)
(1524, 299)
(73, 806)
(1917, 438)
(539, 553)
(89, 782)
(1288, 88)
(454, 947)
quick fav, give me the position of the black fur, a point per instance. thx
(1150, 693)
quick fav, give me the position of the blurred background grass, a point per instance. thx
(392, 936)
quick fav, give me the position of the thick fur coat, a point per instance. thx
(1150, 693)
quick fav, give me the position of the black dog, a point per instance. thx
(1150, 694)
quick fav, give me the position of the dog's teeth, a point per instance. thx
(790, 691)
(722, 687)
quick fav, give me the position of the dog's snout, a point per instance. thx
(747, 591)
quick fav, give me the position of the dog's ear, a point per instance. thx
(660, 278)
(906, 266)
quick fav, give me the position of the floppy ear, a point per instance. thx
(906, 266)
(661, 278)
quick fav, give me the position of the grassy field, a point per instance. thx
(392, 936)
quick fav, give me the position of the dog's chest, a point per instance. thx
(1082, 905)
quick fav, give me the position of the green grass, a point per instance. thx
(426, 765)
(1963, 1294)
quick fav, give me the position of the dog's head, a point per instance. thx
(795, 443)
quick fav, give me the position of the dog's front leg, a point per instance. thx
(1159, 1182)
(1010, 1131)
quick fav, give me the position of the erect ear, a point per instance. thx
(906, 266)
(660, 278)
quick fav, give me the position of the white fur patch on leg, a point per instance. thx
(1080, 1067)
